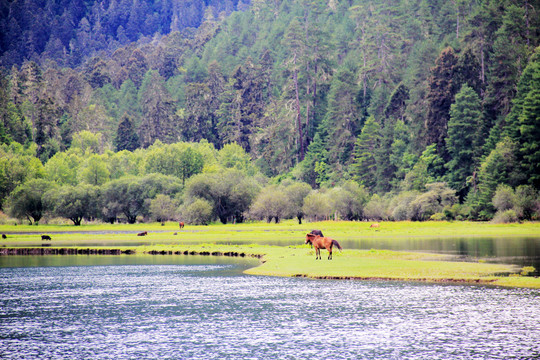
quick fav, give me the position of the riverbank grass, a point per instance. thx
(299, 261)
(291, 258)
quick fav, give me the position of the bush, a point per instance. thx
(163, 208)
(437, 217)
(271, 203)
(504, 198)
(199, 212)
(527, 202)
(74, 202)
(26, 201)
(317, 206)
(431, 202)
(375, 209)
(504, 217)
(400, 204)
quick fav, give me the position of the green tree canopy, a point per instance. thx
(26, 201)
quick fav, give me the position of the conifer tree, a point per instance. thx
(442, 89)
(126, 136)
(159, 120)
(463, 138)
(530, 134)
(342, 121)
(364, 167)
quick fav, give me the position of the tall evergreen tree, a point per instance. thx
(364, 167)
(441, 93)
(342, 121)
(126, 136)
(530, 133)
(159, 121)
(463, 138)
(242, 106)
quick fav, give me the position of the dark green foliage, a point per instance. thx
(66, 30)
(26, 201)
(292, 83)
(530, 134)
(17, 165)
(442, 89)
(230, 193)
(463, 138)
(74, 202)
(159, 118)
(342, 121)
(364, 167)
(126, 136)
(242, 105)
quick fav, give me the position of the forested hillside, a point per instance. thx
(388, 109)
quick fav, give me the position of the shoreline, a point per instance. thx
(280, 248)
(299, 262)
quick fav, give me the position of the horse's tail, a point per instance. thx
(337, 244)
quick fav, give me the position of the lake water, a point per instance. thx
(180, 307)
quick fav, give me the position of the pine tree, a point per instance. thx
(159, 120)
(508, 59)
(342, 120)
(442, 90)
(364, 167)
(242, 105)
(126, 136)
(463, 138)
(530, 134)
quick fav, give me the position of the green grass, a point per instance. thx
(292, 258)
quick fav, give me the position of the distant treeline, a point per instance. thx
(67, 32)
(198, 184)
(390, 95)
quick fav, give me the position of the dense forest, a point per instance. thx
(222, 109)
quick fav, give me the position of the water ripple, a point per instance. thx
(208, 312)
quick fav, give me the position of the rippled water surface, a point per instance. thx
(212, 311)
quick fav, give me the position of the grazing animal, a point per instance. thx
(4, 236)
(142, 233)
(320, 242)
(45, 237)
(375, 225)
(181, 224)
(316, 232)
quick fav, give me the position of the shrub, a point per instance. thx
(199, 212)
(504, 217)
(504, 198)
(317, 206)
(527, 201)
(375, 209)
(271, 203)
(163, 208)
(437, 217)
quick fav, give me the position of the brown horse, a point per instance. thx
(320, 242)
(144, 233)
(181, 225)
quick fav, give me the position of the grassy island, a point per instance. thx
(281, 249)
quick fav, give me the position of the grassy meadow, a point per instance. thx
(288, 256)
